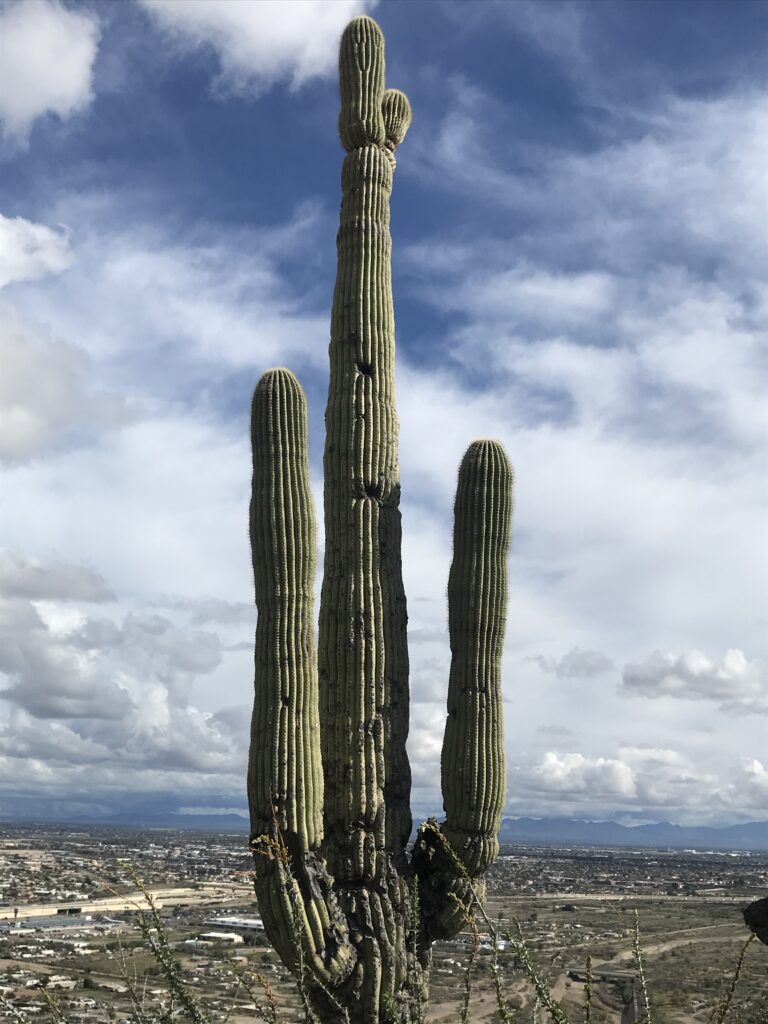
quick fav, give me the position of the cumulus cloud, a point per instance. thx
(47, 395)
(49, 580)
(202, 610)
(660, 783)
(753, 784)
(555, 730)
(664, 177)
(47, 63)
(260, 42)
(425, 742)
(668, 341)
(110, 694)
(53, 741)
(46, 676)
(617, 348)
(145, 637)
(738, 684)
(533, 296)
(186, 298)
(29, 251)
(47, 400)
(61, 663)
(146, 646)
(576, 664)
(623, 383)
(574, 773)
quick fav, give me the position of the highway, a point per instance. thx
(206, 894)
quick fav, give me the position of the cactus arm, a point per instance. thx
(285, 782)
(473, 773)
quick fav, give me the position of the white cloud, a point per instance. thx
(203, 610)
(29, 251)
(668, 338)
(754, 784)
(192, 303)
(82, 691)
(738, 684)
(63, 581)
(46, 395)
(662, 784)
(47, 677)
(46, 63)
(617, 348)
(626, 390)
(576, 664)
(185, 295)
(260, 42)
(653, 196)
(573, 773)
(556, 27)
(554, 300)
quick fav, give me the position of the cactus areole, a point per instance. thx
(348, 906)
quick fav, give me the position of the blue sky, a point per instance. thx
(579, 269)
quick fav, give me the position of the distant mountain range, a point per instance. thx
(752, 835)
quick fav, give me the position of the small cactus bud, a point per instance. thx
(396, 108)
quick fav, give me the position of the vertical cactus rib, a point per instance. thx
(473, 772)
(285, 782)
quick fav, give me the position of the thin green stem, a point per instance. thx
(721, 1011)
(637, 951)
(588, 992)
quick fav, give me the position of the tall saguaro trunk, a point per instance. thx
(363, 654)
(329, 778)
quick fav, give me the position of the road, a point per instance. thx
(205, 894)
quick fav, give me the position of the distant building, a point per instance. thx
(232, 937)
(243, 924)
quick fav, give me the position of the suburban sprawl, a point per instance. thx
(76, 930)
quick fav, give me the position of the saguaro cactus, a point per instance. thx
(328, 778)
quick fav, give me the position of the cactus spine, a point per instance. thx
(329, 779)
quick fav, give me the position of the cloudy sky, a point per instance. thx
(580, 265)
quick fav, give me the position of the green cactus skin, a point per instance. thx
(363, 656)
(473, 771)
(285, 779)
(329, 778)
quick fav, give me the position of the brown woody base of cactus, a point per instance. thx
(373, 959)
(447, 892)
